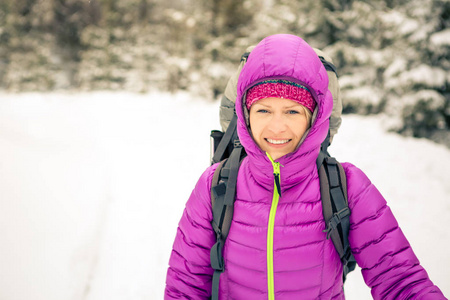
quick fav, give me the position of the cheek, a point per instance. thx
(300, 128)
(254, 122)
(255, 125)
(256, 130)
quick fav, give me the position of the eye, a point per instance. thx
(293, 112)
(263, 111)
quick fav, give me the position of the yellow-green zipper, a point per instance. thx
(270, 229)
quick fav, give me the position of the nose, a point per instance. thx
(277, 124)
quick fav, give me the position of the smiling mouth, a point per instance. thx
(278, 142)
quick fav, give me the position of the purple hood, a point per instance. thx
(291, 58)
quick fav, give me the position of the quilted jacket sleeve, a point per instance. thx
(189, 274)
(389, 265)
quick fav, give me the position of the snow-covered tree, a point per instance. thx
(392, 55)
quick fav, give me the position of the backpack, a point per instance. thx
(227, 150)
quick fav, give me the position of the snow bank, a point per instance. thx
(93, 186)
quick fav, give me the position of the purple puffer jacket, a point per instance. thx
(305, 264)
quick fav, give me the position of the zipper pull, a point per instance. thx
(277, 183)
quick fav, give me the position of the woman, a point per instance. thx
(276, 247)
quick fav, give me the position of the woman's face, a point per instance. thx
(278, 125)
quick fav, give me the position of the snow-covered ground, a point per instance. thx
(92, 186)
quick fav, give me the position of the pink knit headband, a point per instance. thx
(280, 89)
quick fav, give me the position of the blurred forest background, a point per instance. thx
(393, 56)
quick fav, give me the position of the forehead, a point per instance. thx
(277, 102)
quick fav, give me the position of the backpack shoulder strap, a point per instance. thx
(220, 149)
(223, 191)
(333, 188)
(328, 65)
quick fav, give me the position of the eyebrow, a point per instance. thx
(262, 104)
(293, 106)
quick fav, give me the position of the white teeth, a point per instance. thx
(277, 142)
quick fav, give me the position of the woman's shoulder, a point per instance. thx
(354, 175)
(198, 205)
(361, 191)
(208, 174)
(204, 183)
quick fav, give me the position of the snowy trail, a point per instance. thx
(93, 186)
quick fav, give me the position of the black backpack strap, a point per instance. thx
(217, 192)
(323, 151)
(244, 56)
(334, 202)
(333, 189)
(350, 266)
(328, 65)
(225, 141)
(223, 191)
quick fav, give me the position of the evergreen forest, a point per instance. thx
(392, 56)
